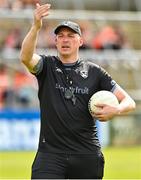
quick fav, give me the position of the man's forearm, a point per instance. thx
(29, 45)
(126, 105)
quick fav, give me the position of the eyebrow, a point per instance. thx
(69, 33)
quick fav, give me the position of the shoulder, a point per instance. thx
(90, 64)
(93, 68)
(48, 58)
(44, 65)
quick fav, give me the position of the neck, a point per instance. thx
(68, 59)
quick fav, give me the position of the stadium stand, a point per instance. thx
(16, 17)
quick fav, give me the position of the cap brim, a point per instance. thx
(56, 31)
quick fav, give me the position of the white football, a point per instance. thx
(104, 97)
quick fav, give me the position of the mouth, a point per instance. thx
(65, 47)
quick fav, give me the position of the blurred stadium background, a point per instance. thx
(112, 33)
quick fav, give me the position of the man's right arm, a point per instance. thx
(27, 54)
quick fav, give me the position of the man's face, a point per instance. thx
(68, 42)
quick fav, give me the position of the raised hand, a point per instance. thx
(40, 12)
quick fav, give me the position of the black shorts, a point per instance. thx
(68, 166)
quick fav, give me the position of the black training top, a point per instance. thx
(68, 127)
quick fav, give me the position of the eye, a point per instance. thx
(71, 35)
(60, 35)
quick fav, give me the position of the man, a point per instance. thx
(68, 145)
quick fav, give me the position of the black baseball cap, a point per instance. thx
(69, 24)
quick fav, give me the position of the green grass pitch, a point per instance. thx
(121, 163)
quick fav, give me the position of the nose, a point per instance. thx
(65, 39)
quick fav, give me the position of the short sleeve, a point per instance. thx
(106, 81)
(39, 67)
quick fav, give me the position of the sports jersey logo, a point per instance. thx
(84, 74)
(58, 70)
(76, 90)
(113, 82)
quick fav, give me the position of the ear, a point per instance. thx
(81, 41)
(55, 41)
